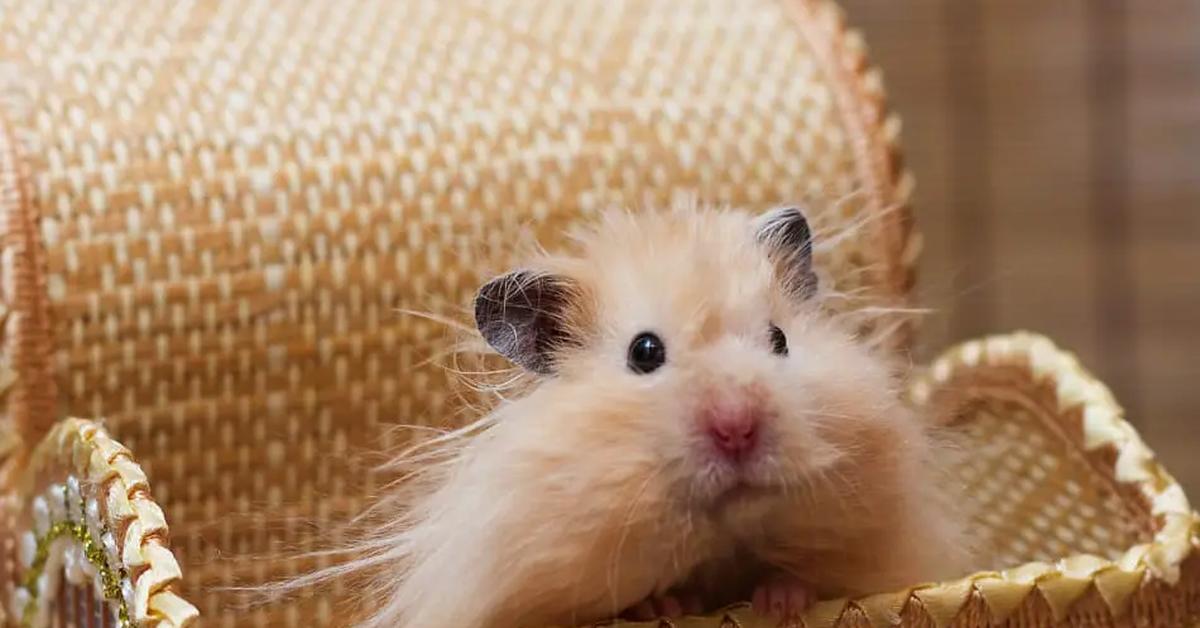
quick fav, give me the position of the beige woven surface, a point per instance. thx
(235, 197)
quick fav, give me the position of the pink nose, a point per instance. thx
(733, 430)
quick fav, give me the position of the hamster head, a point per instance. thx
(687, 350)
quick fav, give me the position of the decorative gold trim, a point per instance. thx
(78, 531)
(135, 569)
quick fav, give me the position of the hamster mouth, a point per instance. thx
(720, 481)
(727, 487)
(740, 492)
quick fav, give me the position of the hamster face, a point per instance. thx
(717, 410)
(690, 354)
(697, 418)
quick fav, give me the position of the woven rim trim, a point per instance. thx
(862, 103)
(122, 505)
(1066, 581)
(25, 325)
(1177, 530)
(1104, 427)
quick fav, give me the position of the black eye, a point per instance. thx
(778, 341)
(646, 353)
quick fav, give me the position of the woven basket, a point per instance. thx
(211, 211)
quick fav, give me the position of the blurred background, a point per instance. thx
(1056, 147)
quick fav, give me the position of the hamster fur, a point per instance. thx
(599, 487)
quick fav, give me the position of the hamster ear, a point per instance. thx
(521, 316)
(785, 233)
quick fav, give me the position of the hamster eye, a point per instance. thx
(646, 353)
(778, 341)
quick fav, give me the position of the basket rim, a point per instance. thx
(147, 572)
(1133, 467)
(27, 386)
(861, 102)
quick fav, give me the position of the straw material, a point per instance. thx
(210, 213)
(235, 198)
(92, 536)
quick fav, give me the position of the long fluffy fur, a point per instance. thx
(584, 493)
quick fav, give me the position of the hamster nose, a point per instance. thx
(733, 430)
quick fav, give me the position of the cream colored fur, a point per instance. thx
(590, 491)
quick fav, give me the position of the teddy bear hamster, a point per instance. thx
(698, 431)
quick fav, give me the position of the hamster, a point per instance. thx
(699, 431)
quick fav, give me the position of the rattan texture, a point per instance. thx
(234, 198)
(213, 211)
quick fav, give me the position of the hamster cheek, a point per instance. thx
(798, 442)
(602, 447)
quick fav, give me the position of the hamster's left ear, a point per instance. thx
(522, 316)
(785, 233)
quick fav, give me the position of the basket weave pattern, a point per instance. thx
(211, 212)
(229, 231)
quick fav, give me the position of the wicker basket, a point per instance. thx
(210, 212)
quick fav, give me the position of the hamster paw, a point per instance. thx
(782, 597)
(669, 606)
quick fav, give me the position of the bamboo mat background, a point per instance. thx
(1056, 147)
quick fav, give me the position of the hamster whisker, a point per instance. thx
(837, 486)
(829, 415)
(780, 480)
(438, 318)
(614, 561)
(831, 238)
(876, 310)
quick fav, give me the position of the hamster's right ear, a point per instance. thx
(522, 316)
(785, 233)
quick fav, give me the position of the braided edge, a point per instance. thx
(1104, 430)
(1061, 584)
(26, 335)
(119, 510)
